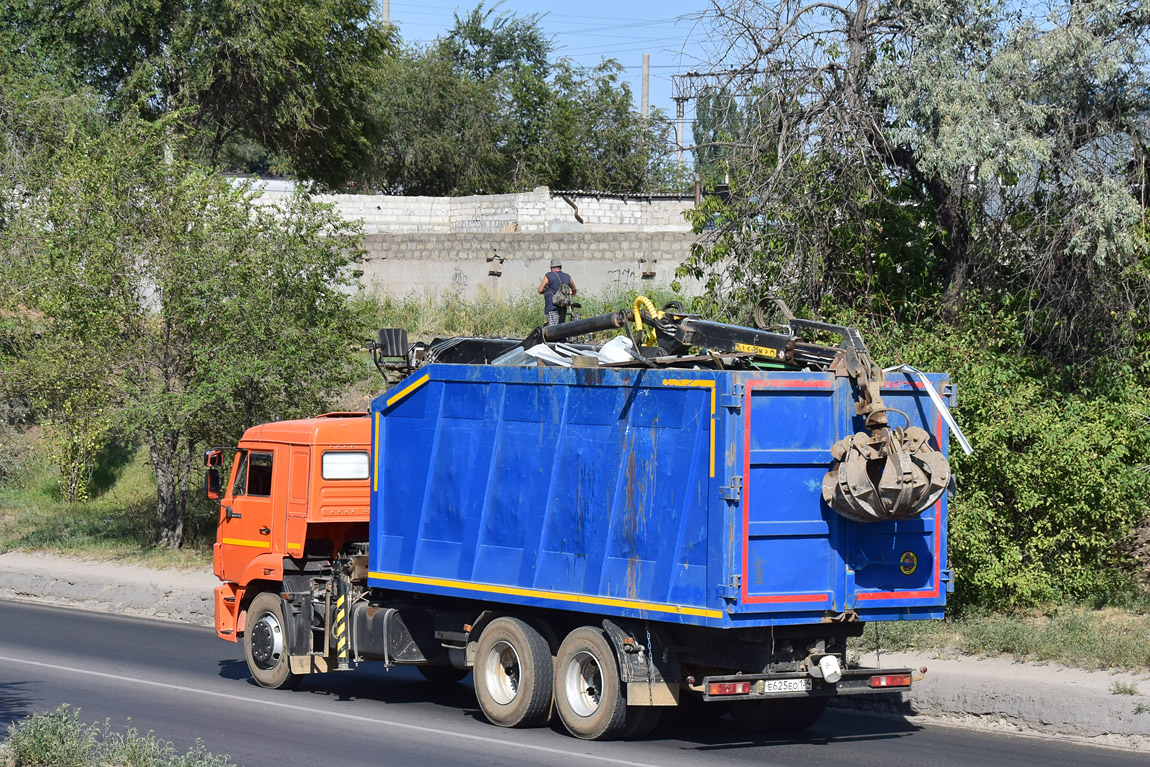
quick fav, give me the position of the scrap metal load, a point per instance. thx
(881, 473)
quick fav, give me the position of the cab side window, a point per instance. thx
(241, 482)
(253, 475)
(260, 474)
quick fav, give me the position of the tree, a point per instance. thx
(443, 132)
(483, 111)
(484, 44)
(1015, 146)
(194, 312)
(596, 140)
(718, 124)
(294, 79)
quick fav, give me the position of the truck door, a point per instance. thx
(248, 524)
(790, 560)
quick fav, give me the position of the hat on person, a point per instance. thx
(556, 263)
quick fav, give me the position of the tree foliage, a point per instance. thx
(484, 110)
(246, 79)
(320, 91)
(1013, 145)
(1058, 475)
(719, 124)
(157, 296)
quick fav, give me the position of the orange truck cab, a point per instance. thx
(296, 488)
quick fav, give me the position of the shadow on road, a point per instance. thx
(234, 669)
(15, 704)
(405, 685)
(721, 734)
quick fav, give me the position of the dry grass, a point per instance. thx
(1104, 639)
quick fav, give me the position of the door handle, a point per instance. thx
(229, 514)
(265, 531)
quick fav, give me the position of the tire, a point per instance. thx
(443, 674)
(641, 721)
(778, 715)
(265, 643)
(588, 691)
(512, 674)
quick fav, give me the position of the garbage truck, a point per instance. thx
(691, 514)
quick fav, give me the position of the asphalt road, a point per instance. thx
(183, 683)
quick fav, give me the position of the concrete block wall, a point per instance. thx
(430, 264)
(503, 244)
(539, 210)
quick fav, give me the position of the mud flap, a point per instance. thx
(647, 666)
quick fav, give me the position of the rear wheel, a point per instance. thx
(588, 691)
(265, 643)
(513, 674)
(778, 715)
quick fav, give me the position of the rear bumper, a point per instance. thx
(854, 681)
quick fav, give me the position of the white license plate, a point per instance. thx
(787, 685)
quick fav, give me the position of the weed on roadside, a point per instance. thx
(1118, 687)
(60, 739)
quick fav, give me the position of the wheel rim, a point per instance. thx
(502, 672)
(267, 642)
(583, 683)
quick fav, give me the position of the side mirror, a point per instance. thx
(214, 457)
(212, 485)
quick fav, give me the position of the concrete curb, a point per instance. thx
(994, 692)
(108, 587)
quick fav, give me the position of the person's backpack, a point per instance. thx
(563, 296)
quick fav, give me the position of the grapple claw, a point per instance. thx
(890, 474)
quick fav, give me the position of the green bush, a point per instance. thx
(60, 739)
(1056, 479)
(487, 315)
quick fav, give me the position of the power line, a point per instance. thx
(543, 14)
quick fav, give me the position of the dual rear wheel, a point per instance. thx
(517, 681)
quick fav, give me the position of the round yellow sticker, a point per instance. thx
(908, 563)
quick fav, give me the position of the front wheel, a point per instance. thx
(512, 674)
(588, 690)
(265, 643)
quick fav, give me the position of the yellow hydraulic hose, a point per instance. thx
(647, 335)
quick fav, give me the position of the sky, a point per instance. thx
(590, 31)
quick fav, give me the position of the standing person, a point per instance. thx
(558, 289)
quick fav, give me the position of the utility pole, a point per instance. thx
(385, 12)
(646, 102)
(680, 103)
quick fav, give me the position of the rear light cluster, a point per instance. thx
(890, 680)
(730, 688)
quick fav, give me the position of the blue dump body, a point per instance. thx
(686, 496)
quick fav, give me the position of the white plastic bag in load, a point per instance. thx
(616, 350)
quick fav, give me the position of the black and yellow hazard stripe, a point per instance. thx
(342, 635)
